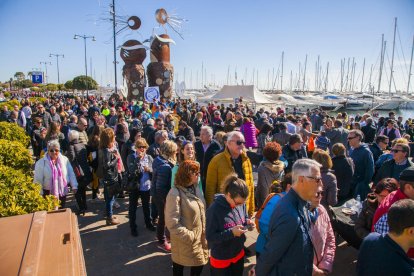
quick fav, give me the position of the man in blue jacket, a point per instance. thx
(289, 250)
(364, 163)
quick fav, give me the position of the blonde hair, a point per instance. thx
(168, 150)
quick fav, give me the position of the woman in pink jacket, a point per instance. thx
(249, 131)
(322, 236)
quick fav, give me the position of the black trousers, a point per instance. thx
(133, 203)
(178, 270)
(81, 197)
(162, 231)
(235, 269)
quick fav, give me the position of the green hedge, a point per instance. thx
(13, 132)
(19, 195)
(10, 104)
(13, 154)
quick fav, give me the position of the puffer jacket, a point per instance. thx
(249, 131)
(186, 220)
(267, 173)
(363, 223)
(219, 168)
(330, 189)
(161, 177)
(323, 240)
(43, 173)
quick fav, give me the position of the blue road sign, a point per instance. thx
(37, 77)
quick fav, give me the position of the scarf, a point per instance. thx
(58, 184)
(313, 215)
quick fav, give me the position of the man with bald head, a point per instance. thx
(82, 127)
(232, 160)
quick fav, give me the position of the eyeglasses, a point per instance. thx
(239, 143)
(317, 179)
(53, 150)
(319, 194)
(350, 138)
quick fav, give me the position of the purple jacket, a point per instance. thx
(249, 131)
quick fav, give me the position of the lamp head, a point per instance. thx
(93, 38)
(75, 37)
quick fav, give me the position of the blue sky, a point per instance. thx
(245, 36)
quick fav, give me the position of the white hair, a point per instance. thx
(231, 134)
(53, 144)
(73, 135)
(150, 122)
(208, 129)
(304, 167)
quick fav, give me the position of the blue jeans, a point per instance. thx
(109, 203)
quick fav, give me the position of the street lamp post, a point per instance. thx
(45, 63)
(86, 66)
(57, 63)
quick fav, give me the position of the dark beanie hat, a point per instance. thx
(407, 174)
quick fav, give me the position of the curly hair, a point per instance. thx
(272, 151)
(184, 173)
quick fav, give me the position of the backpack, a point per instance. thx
(260, 211)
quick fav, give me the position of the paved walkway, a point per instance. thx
(111, 250)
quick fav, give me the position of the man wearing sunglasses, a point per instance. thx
(232, 160)
(289, 249)
(399, 162)
(364, 163)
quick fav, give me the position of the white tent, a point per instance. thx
(249, 93)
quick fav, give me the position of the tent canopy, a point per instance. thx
(249, 93)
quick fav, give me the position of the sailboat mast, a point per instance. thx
(383, 43)
(291, 87)
(304, 73)
(326, 78)
(281, 75)
(392, 58)
(363, 72)
(411, 64)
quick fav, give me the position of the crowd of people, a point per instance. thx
(192, 168)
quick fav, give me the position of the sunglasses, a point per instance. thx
(395, 150)
(53, 150)
(350, 138)
(142, 147)
(239, 143)
(317, 179)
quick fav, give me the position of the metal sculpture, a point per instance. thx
(133, 53)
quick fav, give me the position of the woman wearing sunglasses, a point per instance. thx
(185, 219)
(54, 172)
(322, 236)
(140, 173)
